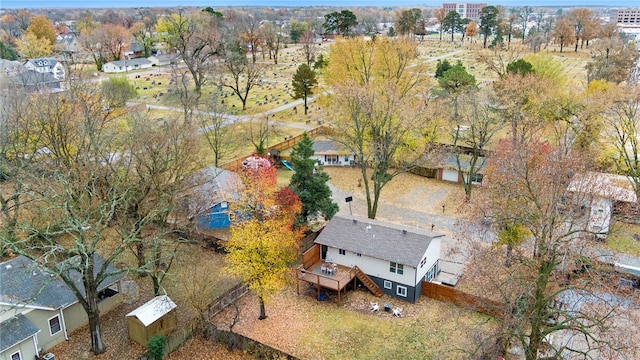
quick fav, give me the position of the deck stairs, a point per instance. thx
(366, 280)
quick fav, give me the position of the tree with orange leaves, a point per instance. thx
(263, 240)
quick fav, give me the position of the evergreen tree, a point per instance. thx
(303, 83)
(442, 67)
(7, 52)
(310, 183)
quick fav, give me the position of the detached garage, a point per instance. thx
(157, 316)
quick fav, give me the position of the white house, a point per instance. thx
(603, 191)
(397, 258)
(331, 153)
(38, 310)
(126, 65)
(46, 66)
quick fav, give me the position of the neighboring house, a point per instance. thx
(126, 65)
(18, 338)
(605, 192)
(68, 42)
(135, 51)
(331, 153)
(32, 298)
(395, 257)
(163, 59)
(33, 81)
(450, 171)
(208, 195)
(46, 66)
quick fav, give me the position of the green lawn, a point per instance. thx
(621, 239)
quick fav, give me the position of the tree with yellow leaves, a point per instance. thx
(263, 241)
(32, 47)
(380, 95)
(42, 28)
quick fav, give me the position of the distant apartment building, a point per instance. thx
(627, 16)
(466, 10)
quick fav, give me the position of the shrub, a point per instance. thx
(156, 346)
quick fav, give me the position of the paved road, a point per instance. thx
(229, 119)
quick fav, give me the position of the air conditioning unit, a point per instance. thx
(49, 356)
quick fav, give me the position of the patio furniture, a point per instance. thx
(387, 307)
(374, 306)
(397, 312)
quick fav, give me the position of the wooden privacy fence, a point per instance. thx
(248, 345)
(184, 333)
(462, 299)
(236, 164)
(311, 256)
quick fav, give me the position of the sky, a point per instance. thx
(292, 3)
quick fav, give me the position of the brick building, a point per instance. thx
(466, 10)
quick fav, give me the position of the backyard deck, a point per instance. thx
(322, 279)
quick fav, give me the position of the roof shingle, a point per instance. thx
(377, 239)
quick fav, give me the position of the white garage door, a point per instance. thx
(450, 175)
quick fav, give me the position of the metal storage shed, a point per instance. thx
(157, 316)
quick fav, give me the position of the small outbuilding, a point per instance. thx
(157, 316)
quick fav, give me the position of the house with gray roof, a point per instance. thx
(126, 65)
(331, 153)
(18, 338)
(46, 66)
(207, 197)
(396, 258)
(33, 298)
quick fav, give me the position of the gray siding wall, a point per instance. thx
(413, 293)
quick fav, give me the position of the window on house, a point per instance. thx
(332, 159)
(16, 356)
(54, 325)
(401, 291)
(388, 284)
(342, 251)
(396, 268)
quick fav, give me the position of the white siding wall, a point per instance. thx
(600, 216)
(372, 266)
(343, 160)
(432, 254)
(108, 68)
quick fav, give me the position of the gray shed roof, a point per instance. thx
(14, 330)
(24, 282)
(377, 239)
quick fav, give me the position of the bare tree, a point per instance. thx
(244, 75)
(220, 132)
(309, 48)
(73, 198)
(475, 128)
(554, 302)
(624, 122)
(273, 39)
(195, 38)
